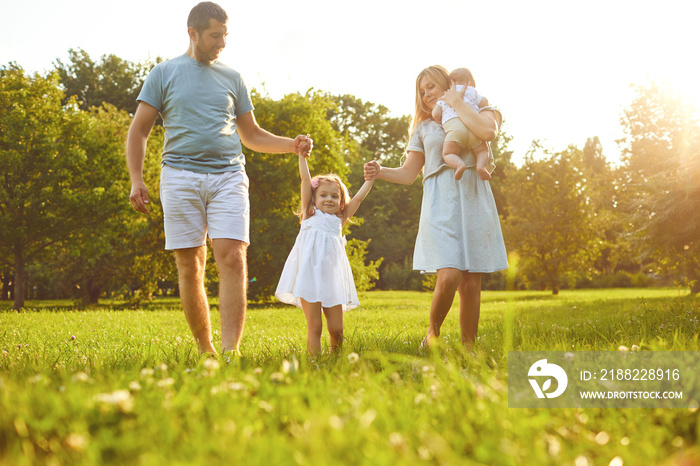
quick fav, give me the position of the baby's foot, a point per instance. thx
(483, 173)
(459, 171)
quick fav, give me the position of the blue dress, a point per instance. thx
(459, 225)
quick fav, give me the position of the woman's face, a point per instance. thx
(429, 92)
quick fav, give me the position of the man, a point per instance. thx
(207, 113)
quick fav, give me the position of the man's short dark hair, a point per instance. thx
(202, 13)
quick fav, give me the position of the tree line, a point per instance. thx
(570, 218)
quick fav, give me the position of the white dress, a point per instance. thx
(317, 268)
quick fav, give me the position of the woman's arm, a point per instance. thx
(355, 202)
(405, 174)
(484, 125)
(305, 183)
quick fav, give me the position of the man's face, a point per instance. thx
(210, 43)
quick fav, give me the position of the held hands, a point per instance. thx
(452, 96)
(372, 169)
(139, 198)
(302, 145)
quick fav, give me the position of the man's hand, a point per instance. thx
(302, 145)
(139, 198)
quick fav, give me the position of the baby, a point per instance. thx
(458, 136)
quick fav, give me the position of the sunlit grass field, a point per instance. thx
(116, 386)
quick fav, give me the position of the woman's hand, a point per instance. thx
(372, 169)
(452, 96)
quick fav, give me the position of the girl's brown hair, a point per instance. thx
(308, 210)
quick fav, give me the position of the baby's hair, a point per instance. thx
(462, 75)
(308, 210)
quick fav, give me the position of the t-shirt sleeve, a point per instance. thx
(243, 103)
(416, 142)
(152, 90)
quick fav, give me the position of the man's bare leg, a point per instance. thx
(191, 263)
(231, 259)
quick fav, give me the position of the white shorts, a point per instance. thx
(195, 204)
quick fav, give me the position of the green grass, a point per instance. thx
(130, 388)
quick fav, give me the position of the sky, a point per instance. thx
(560, 71)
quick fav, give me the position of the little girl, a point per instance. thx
(317, 276)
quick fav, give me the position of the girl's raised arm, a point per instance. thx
(355, 202)
(305, 182)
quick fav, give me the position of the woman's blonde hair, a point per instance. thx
(441, 78)
(308, 210)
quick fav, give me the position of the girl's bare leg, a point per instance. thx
(314, 325)
(334, 321)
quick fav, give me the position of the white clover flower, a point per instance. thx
(119, 398)
(163, 383)
(80, 377)
(211, 365)
(353, 358)
(134, 386)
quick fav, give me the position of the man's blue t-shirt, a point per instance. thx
(199, 103)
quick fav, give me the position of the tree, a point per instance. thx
(549, 221)
(111, 80)
(662, 168)
(39, 148)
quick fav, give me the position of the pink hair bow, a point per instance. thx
(314, 183)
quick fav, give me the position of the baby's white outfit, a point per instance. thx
(470, 96)
(317, 268)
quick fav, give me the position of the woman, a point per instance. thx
(459, 234)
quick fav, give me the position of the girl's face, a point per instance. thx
(327, 197)
(429, 92)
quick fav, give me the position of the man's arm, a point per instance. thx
(136, 140)
(259, 140)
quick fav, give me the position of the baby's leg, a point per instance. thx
(314, 324)
(450, 151)
(334, 321)
(481, 152)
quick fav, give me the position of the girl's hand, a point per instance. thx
(302, 145)
(452, 96)
(372, 169)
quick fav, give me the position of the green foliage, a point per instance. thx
(662, 155)
(364, 274)
(130, 393)
(112, 80)
(549, 222)
(64, 193)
